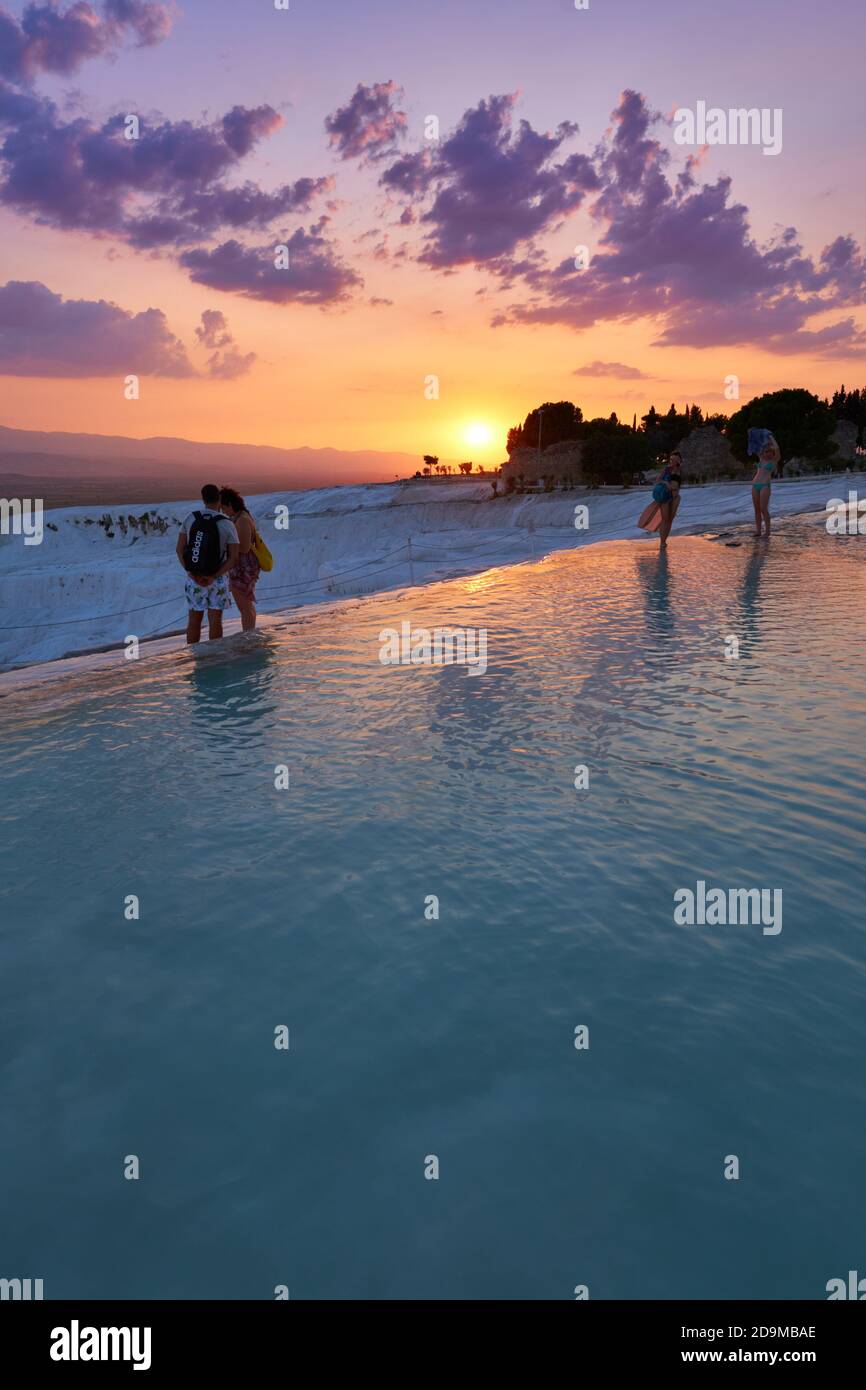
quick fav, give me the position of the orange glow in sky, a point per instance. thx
(407, 268)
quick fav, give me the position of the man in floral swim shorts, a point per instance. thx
(207, 548)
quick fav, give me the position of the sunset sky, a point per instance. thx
(412, 257)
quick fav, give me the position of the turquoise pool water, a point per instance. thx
(453, 1037)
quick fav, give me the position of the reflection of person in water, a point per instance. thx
(229, 694)
(655, 576)
(748, 597)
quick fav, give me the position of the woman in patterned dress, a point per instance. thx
(243, 577)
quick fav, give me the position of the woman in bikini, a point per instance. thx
(242, 579)
(667, 493)
(768, 458)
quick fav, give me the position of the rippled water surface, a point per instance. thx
(455, 1037)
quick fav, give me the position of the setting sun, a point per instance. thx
(478, 434)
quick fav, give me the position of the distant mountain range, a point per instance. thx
(100, 466)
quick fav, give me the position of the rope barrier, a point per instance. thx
(306, 588)
(97, 618)
(268, 593)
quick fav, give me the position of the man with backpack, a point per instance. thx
(208, 548)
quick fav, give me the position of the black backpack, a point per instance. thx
(203, 551)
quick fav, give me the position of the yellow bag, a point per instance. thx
(262, 554)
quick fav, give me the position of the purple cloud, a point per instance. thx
(411, 174)
(167, 188)
(192, 215)
(684, 254)
(50, 39)
(243, 127)
(225, 361)
(213, 331)
(164, 189)
(315, 273)
(230, 364)
(370, 125)
(43, 334)
(842, 339)
(618, 370)
(74, 174)
(150, 22)
(165, 184)
(492, 188)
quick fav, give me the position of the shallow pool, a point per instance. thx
(411, 1038)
